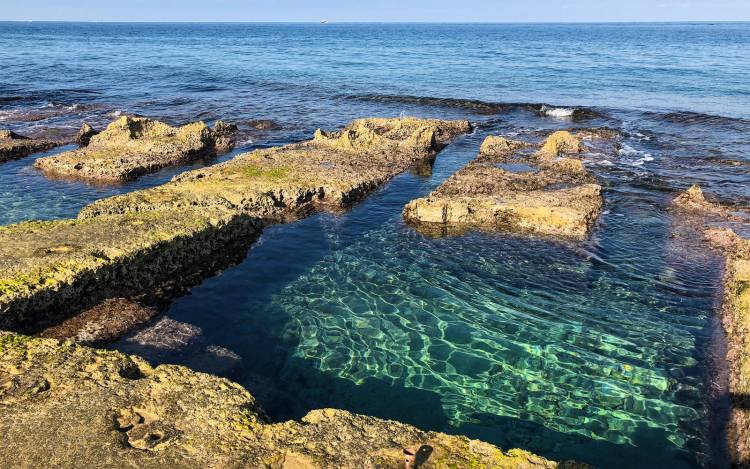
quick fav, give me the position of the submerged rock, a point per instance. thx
(133, 146)
(14, 146)
(103, 323)
(508, 188)
(120, 411)
(84, 135)
(263, 124)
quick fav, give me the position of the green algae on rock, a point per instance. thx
(132, 146)
(48, 266)
(14, 146)
(331, 171)
(66, 405)
(510, 188)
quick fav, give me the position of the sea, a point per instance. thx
(607, 351)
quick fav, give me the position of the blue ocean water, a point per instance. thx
(604, 351)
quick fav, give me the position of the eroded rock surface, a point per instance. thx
(68, 265)
(65, 405)
(201, 221)
(331, 171)
(83, 137)
(14, 146)
(133, 146)
(510, 186)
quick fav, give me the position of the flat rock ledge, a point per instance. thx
(515, 186)
(14, 146)
(201, 222)
(66, 405)
(719, 225)
(132, 146)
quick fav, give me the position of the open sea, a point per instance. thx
(607, 351)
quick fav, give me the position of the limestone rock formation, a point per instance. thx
(508, 187)
(66, 405)
(84, 135)
(132, 146)
(14, 146)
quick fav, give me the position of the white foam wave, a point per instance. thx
(558, 112)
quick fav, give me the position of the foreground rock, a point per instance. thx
(509, 186)
(331, 172)
(70, 265)
(177, 233)
(14, 146)
(132, 146)
(64, 405)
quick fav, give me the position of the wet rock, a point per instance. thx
(14, 146)
(132, 146)
(223, 136)
(331, 171)
(170, 416)
(84, 135)
(103, 323)
(508, 187)
(694, 200)
(263, 124)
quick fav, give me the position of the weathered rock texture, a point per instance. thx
(511, 187)
(131, 245)
(719, 223)
(14, 146)
(133, 146)
(65, 405)
(83, 137)
(68, 265)
(331, 171)
(102, 324)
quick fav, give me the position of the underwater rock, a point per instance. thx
(84, 135)
(694, 200)
(103, 323)
(14, 146)
(332, 171)
(263, 124)
(132, 146)
(57, 267)
(507, 187)
(121, 411)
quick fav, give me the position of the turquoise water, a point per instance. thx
(603, 351)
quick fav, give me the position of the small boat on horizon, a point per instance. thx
(323, 21)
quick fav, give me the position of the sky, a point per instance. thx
(377, 10)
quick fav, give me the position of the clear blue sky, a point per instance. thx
(377, 10)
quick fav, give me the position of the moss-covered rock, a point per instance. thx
(331, 171)
(14, 146)
(65, 405)
(509, 187)
(68, 265)
(133, 146)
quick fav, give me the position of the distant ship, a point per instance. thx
(324, 22)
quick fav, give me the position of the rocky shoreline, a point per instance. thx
(132, 146)
(719, 225)
(66, 405)
(14, 146)
(515, 186)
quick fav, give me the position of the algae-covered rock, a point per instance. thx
(133, 146)
(68, 265)
(84, 135)
(65, 405)
(263, 124)
(331, 171)
(508, 187)
(14, 146)
(561, 142)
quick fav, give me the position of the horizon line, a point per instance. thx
(329, 22)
